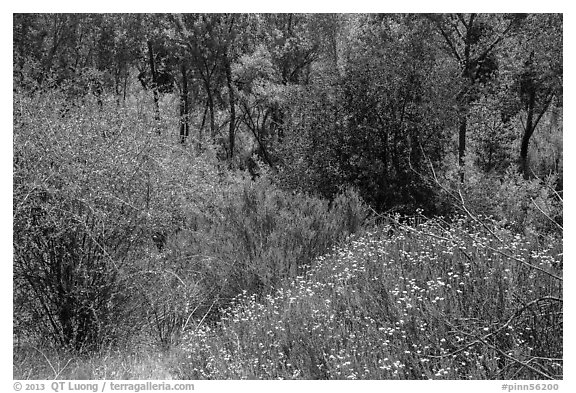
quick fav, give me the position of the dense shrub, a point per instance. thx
(531, 207)
(90, 187)
(73, 224)
(255, 235)
(93, 187)
(142, 249)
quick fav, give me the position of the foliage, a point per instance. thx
(432, 302)
(533, 208)
(74, 223)
(491, 139)
(87, 207)
(33, 363)
(226, 195)
(84, 211)
(369, 127)
(255, 236)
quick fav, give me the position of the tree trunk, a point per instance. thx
(201, 131)
(211, 109)
(184, 106)
(125, 87)
(232, 99)
(465, 99)
(463, 123)
(154, 81)
(528, 131)
(47, 64)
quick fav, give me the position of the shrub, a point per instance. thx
(90, 187)
(255, 235)
(73, 224)
(532, 207)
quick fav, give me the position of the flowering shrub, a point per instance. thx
(532, 207)
(432, 302)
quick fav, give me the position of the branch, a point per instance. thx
(523, 364)
(547, 216)
(476, 219)
(487, 336)
(447, 39)
(496, 42)
(545, 108)
(548, 187)
(482, 340)
(462, 206)
(462, 20)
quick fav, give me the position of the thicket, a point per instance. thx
(287, 196)
(88, 209)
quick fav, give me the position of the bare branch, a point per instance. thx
(546, 215)
(476, 219)
(501, 328)
(482, 339)
(523, 364)
(462, 206)
(448, 40)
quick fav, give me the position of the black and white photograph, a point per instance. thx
(287, 196)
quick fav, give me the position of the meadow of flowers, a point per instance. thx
(459, 300)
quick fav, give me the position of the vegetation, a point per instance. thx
(288, 196)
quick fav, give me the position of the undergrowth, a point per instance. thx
(436, 302)
(459, 300)
(138, 258)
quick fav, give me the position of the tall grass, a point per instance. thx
(134, 363)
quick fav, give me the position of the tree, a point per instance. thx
(472, 40)
(79, 53)
(259, 90)
(537, 75)
(367, 124)
(201, 35)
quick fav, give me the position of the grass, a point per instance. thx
(33, 363)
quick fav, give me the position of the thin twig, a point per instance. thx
(482, 340)
(476, 219)
(547, 186)
(48, 361)
(63, 368)
(462, 205)
(523, 262)
(523, 364)
(546, 215)
(487, 336)
(206, 314)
